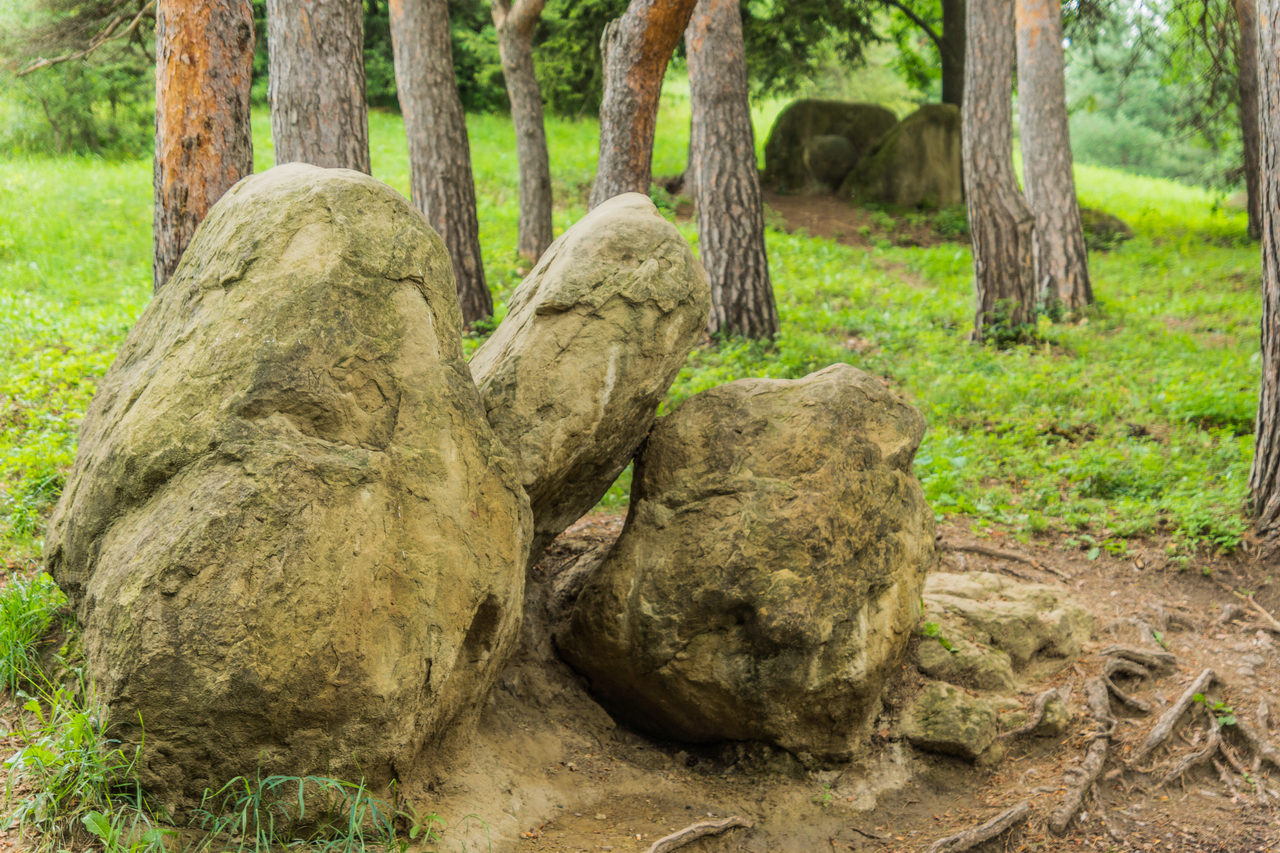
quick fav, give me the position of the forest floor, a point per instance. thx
(552, 772)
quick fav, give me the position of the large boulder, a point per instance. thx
(593, 338)
(293, 541)
(769, 574)
(916, 164)
(861, 124)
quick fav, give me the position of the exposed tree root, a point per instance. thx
(1127, 667)
(695, 831)
(971, 838)
(1261, 748)
(1001, 554)
(1037, 715)
(1199, 757)
(1170, 717)
(1154, 659)
(1080, 780)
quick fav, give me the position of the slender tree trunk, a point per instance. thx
(515, 24)
(1062, 268)
(316, 83)
(952, 51)
(204, 65)
(726, 179)
(441, 182)
(1264, 479)
(636, 48)
(1000, 222)
(1247, 84)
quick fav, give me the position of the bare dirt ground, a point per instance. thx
(552, 772)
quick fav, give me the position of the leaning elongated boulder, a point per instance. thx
(293, 542)
(593, 338)
(769, 574)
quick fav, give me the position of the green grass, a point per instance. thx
(1131, 421)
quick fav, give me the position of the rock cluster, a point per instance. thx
(988, 635)
(786, 151)
(299, 524)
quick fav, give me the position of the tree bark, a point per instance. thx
(1061, 259)
(316, 83)
(441, 182)
(726, 179)
(204, 66)
(1264, 478)
(1000, 222)
(1247, 86)
(952, 51)
(636, 49)
(515, 24)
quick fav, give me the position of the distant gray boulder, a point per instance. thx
(784, 150)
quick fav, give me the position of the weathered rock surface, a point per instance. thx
(290, 535)
(1103, 231)
(861, 124)
(915, 164)
(1000, 626)
(943, 718)
(828, 158)
(593, 339)
(768, 577)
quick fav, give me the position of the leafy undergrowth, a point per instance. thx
(1132, 420)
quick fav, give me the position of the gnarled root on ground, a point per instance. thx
(1080, 780)
(696, 831)
(974, 836)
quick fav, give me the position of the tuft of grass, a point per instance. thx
(28, 609)
(315, 812)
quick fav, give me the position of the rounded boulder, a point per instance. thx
(293, 542)
(768, 578)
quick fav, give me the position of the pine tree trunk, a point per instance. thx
(1000, 222)
(726, 180)
(1264, 479)
(1061, 260)
(204, 65)
(636, 48)
(316, 83)
(441, 182)
(1247, 85)
(952, 51)
(515, 25)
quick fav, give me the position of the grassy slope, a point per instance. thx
(1028, 439)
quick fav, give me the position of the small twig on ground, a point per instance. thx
(874, 836)
(1001, 554)
(974, 836)
(1170, 717)
(696, 831)
(1037, 715)
(1263, 715)
(1266, 617)
(1150, 658)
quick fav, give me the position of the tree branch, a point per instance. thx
(107, 35)
(942, 45)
